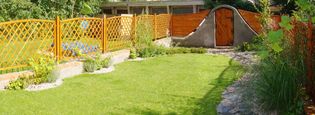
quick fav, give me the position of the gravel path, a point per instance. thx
(234, 100)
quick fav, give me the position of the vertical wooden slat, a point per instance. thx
(180, 26)
(134, 30)
(104, 35)
(155, 27)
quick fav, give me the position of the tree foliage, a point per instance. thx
(240, 4)
(306, 10)
(288, 6)
(47, 9)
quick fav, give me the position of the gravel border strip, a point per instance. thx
(233, 102)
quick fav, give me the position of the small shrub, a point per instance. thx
(172, 51)
(18, 84)
(43, 68)
(98, 61)
(160, 50)
(133, 54)
(277, 86)
(180, 50)
(254, 45)
(106, 62)
(151, 51)
(198, 50)
(245, 46)
(157, 50)
(144, 33)
(90, 65)
(185, 50)
(146, 52)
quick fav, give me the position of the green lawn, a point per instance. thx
(178, 84)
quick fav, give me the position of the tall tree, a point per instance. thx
(46, 9)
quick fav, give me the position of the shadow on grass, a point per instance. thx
(207, 105)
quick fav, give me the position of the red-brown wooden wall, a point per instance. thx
(183, 24)
(252, 19)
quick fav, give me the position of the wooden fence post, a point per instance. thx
(104, 35)
(170, 25)
(169, 28)
(134, 30)
(155, 27)
(57, 39)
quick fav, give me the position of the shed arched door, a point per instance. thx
(224, 27)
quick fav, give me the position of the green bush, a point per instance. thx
(151, 51)
(144, 33)
(133, 54)
(278, 87)
(43, 69)
(18, 84)
(254, 45)
(198, 50)
(181, 50)
(280, 74)
(158, 50)
(92, 64)
(98, 61)
(106, 62)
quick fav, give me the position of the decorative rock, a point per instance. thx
(104, 70)
(231, 89)
(222, 109)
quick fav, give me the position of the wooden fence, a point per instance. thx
(183, 24)
(22, 39)
(252, 19)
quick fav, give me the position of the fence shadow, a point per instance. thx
(212, 98)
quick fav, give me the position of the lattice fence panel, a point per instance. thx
(119, 32)
(22, 40)
(80, 34)
(148, 22)
(162, 25)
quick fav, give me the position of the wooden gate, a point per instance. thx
(224, 27)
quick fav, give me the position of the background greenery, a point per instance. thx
(240, 4)
(45, 9)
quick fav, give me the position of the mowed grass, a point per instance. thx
(177, 84)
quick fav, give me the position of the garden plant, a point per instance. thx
(280, 77)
